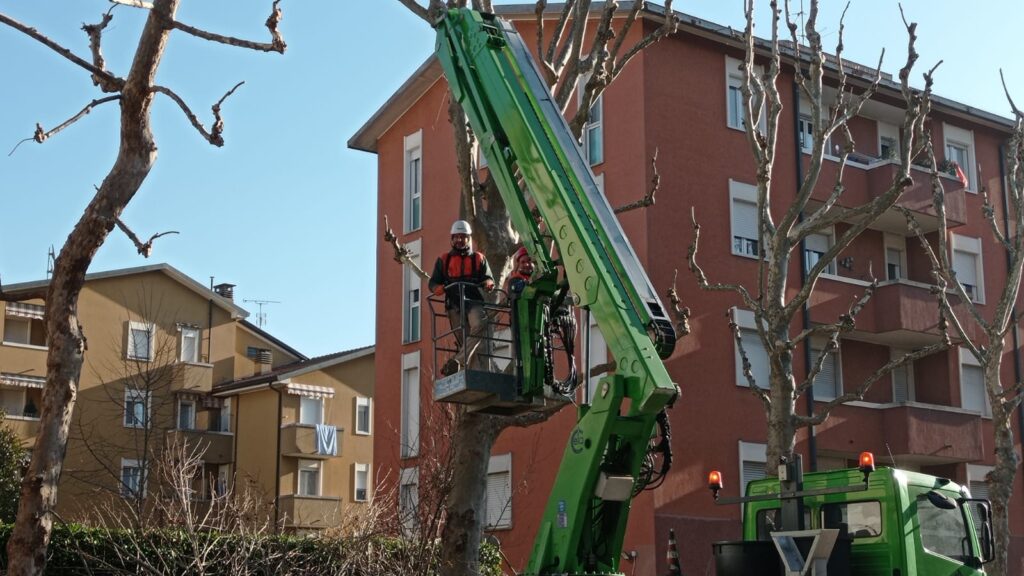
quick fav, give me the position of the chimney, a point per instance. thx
(264, 360)
(226, 290)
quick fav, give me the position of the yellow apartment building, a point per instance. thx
(171, 362)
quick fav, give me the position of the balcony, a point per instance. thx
(865, 178)
(218, 447)
(25, 427)
(315, 512)
(932, 434)
(193, 377)
(299, 441)
(23, 358)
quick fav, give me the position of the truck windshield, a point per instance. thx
(943, 531)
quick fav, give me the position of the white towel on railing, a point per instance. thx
(326, 440)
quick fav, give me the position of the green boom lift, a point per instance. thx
(539, 169)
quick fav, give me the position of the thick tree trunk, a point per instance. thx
(26, 549)
(466, 515)
(781, 431)
(1003, 474)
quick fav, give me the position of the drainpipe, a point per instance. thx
(277, 464)
(812, 441)
(1013, 310)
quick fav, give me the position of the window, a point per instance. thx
(186, 414)
(414, 181)
(967, 266)
(309, 478)
(593, 133)
(757, 355)
(943, 531)
(888, 141)
(362, 483)
(895, 256)
(744, 219)
(827, 385)
(140, 341)
(412, 290)
(499, 492)
(362, 415)
(902, 379)
(410, 430)
(220, 488)
(734, 93)
(220, 418)
(806, 128)
(960, 149)
(977, 482)
(753, 457)
(861, 519)
(189, 344)
(408, 500)
(972, 384)
(311, 410)
(136, 408)
(23, 324)
(133, 479)
(815, 247)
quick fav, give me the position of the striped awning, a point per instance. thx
(22, 310)
(8, 379)
(311, 391)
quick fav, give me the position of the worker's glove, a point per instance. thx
(439, 290)
(488, 285)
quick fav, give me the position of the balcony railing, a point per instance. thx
(193, 377)
(310, 512)
(299, 440)
(942, 434)
(217, 447)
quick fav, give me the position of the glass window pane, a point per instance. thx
(943, 531)
(860, 519)
(310, 410)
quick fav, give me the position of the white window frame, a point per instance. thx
(499, 477)
(817, 348)
(132, 353)
(192, 419)
(412, 181)
(830, 240)
(305, 467)
(899, 244)
(740, 192)
(746, 322)
(409, 432)
(132, 397)
(734, 79)
(593, 130)
(304, 407)
(750, 452)
(953, 136)
(968, 359)
(971, 246)
(409, 511)
(363, 402)
(194, 334)
(890, 132)
(412, 296)
(894, 354)
(126, 490)
(29, 322)
(357, 470)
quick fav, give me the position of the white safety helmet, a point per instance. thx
(461, 227)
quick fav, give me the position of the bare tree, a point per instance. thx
(138, 151)
(774, 302)
(990, 346)
(576, 57)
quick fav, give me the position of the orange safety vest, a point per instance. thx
(460, 266)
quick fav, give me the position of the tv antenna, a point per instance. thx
(261, 316)
(51, 257)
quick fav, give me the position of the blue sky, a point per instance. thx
(284, 210)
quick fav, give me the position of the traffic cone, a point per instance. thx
(672, 556)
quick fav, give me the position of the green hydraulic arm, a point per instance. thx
(532, 154)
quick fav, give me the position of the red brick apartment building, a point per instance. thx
(675, 97)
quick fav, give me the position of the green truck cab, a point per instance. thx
(897, 523)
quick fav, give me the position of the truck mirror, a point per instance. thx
(941, 501)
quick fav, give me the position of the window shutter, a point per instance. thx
(744, 219)
(752, 471)
(965, 266)
(498, 498)
(758, 357)
(900, 385)
(973, 388)
(825, 383)
(817, 243)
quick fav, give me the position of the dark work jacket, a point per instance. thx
(452, 266)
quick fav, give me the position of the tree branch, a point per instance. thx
(21, 296)
(276, 44)
(95, 33)
(214, 136)
(402, 253)
(682, 313)
(748, 371)
(702, 279)
(144, 248)
(648, 199)
(40, 136)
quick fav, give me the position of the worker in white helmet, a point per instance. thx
(459, 275)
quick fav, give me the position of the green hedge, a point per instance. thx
(78, 550)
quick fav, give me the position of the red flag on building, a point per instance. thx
(960, 175)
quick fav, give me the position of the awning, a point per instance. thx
(22, 310)
(311, 391)
(8, 379)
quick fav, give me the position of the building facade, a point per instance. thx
(679, 98)
(171, 363)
